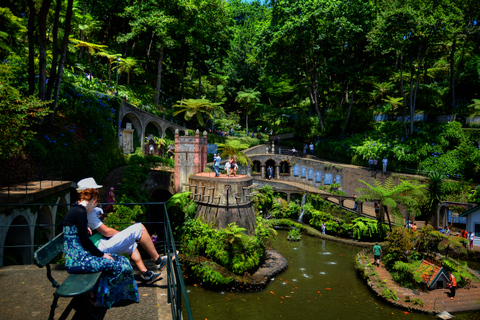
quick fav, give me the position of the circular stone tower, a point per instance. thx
(224, 200)
(220, 200)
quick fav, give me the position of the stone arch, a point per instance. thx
(59, 211)
(285, 167)
(18, 234)
(169, 133)
(45, 228)
(256, 166)
(272, 163)
(154, 128)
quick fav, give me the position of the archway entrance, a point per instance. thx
(270, 163)
(18, 235)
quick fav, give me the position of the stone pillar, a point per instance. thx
(262, 166)
(126, 141)
(190, 157)
(277, 172)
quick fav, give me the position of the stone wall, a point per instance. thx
(318, 173)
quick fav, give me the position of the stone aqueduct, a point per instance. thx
(133, 119)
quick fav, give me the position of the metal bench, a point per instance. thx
(74, 285)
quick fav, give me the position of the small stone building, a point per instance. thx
(473, 223)
(434, 276)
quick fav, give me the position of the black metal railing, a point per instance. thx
(30, 181)
(175, 285)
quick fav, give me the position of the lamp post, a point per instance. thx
(116, 89)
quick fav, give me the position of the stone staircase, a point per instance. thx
(113, 179)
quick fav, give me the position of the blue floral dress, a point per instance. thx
(116, 282)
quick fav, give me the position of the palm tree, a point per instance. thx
(233, 149)
(406, 193)
(111, 57)
(198, 108)
(394, 102)
(380, 90)
(130, 65)
(436, 191)
(92, 48)
(475, 108)
(248, 98)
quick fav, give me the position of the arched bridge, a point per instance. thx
(132, 119)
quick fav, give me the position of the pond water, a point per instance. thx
(320, 283)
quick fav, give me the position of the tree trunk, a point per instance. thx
(246, 120)
(313, 91)
(350, 106)
(199, 79)
(385, 211)
(452, 78)
(53, 68)
(159, 75)
(412, 72)
(404, 96)
(68, 27)
(42, 64)
(184, 72)
(82, 36)
(31, 47)
(90, 66)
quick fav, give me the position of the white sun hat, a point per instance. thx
(87, 183)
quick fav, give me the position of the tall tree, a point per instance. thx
(248, 99)
(407, 193)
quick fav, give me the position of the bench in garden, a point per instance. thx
(74, 285)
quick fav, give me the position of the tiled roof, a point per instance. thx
(430, 271)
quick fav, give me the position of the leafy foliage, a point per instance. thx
(18, 113)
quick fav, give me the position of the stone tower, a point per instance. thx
(190, 157)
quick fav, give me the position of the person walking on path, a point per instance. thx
(216, 164)
(465, 236)
(355, 202)
(294, 151)
(311, 148)
(370, 164)
(126, 241)
(110, 200)
(375, 162)
(384, 162)
(305, 147)
(452, 284)
(377, 253)
(471, 238)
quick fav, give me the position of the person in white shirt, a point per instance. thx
(227, 168)
(384, 162)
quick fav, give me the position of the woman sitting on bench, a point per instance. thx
(81, 256)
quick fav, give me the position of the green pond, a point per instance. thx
(320, 283)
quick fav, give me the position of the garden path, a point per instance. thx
(466, 299)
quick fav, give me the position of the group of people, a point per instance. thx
(307, 147)
(373, 162)
(231, 166)
(411, 225)
(104, 250)
(470, 237)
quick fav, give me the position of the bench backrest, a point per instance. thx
(49, 251)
